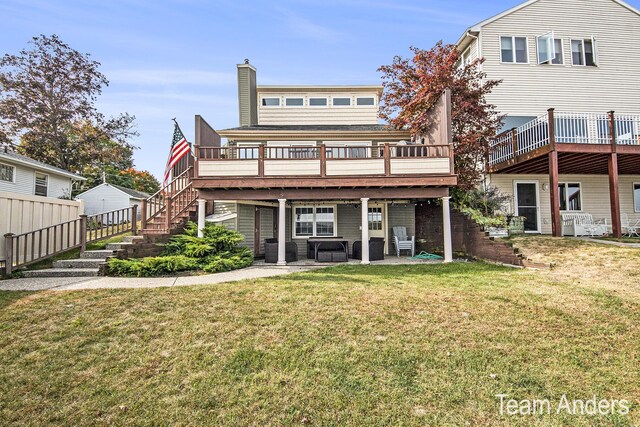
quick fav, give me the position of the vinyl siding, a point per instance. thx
(531, 89)
(595, 194)
(307, 115)
(226, 207)
(25, 181)
(103, 198)
(266, 226)
(246, 224)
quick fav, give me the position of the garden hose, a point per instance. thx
(426, 256)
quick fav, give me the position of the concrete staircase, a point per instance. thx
(88, 265)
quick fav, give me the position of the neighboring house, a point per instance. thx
(110, 197)
(571, 100)
(23, 175)
(312, 162)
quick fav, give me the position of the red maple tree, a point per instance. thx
(412, 86)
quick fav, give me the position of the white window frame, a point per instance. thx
(13, 173)
(566, 202)
(293, 106)
(366, 97)
(262, 98)
(584, 52)
(318, 106)
(351, 144)
(255, 145)
(314, 207)
(342, 106)
(513, 44)
(551, 46)
(636, 202)
(35, 178)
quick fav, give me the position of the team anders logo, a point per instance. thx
(593, 406)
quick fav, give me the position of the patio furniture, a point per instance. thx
(376, 249)
(331, 249)
(402, 241)
(271, 251)
(582, 224)
(630, 227)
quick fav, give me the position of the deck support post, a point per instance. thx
(554, 192)
(446, 229)
(365, 230)
(614, 191)
(202, 213)
(282, 212)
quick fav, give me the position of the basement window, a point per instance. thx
(270, 102)
(570, 196)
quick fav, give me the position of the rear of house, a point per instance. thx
(571, 137)
(310, 168)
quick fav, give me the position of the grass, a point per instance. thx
(348, 345)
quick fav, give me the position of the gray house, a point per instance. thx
(109, 197)
(22, 175)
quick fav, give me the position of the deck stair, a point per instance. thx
(88, 265)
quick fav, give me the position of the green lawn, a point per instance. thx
(349, 345)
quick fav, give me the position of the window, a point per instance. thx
(318, 102)
(294, 102)
(636, 196)
(375, 218)
(570, 196)
(365, 101)
(341, 102)
(549, 49)
(583, 52)
(514, 50)
(248, 150)
(292, 150)
(316, 221)
(348, 150)
(41, 184)
(6, 173)
(270, 102)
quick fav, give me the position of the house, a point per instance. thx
(312, 162)
(23, 175)
(569, 94)
(109, 197)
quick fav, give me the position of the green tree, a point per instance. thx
(47, 102)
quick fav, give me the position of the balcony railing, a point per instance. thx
(568, 128)
(323, 160)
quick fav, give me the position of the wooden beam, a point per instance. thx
(325, 193)
(556, 226)
(326, 182)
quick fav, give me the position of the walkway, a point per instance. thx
(75, 283)
(611, 242)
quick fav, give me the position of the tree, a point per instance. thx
(47, 101)
(129, 178)
(413, 86)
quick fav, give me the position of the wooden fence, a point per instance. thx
(33, 246)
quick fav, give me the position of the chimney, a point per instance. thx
(247, 96)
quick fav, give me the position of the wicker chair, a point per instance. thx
(271, 251)
(376, 249)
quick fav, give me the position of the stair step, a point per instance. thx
(155, 231)
(79, 263)
(117, 246)
(100, 254)
(132, 239)
(61, 272)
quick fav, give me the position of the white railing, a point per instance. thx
(582, 128)
(627, 129)
(569, 128)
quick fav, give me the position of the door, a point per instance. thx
(376, 220)
(528, 205)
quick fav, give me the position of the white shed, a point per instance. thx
(109, 197)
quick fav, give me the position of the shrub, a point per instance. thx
(217, 251)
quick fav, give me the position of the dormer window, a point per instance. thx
(341, 102)
(270, 102)
(294, 102)
(583, 52)
(318, 102)
(365, 101)
(513, 50)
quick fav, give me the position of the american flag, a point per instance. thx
(179, 148)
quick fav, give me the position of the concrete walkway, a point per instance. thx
(75, 283)
(611, 242)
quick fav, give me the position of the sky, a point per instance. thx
(167, 59)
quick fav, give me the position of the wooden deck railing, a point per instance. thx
(170, 201)
(37, 245)
(568, 128)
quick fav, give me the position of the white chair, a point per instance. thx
(630, 226)
(403, 242)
